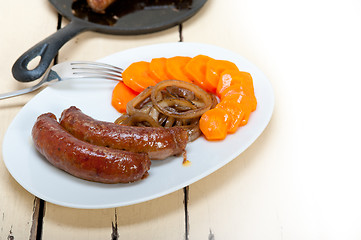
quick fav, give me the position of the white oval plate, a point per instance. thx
(93, 97)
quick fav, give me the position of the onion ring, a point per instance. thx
(169, 103)
(138, 119)
(199, 93)
(139, 100)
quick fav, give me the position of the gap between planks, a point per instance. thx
(36, 230)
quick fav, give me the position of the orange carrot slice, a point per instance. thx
(176, 68)
(121, 96)
(232, 89)
(158, 69)
(214, 70)
(240, 105)
(138, 77)
(196, 68)
(240, 90)
(229, 77)
(213, 124)
(235, 114)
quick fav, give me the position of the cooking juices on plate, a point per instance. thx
(160, 116)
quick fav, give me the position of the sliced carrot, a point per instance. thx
(238, 103)
(240, 90)
(176, 68)
(213, 124)
(196, 68)
(138, 77)
(158, 69)
(232, 89)
(215, 68)
(229, 77)
(121, 96)
(235, 114)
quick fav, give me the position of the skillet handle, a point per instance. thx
(47, 50)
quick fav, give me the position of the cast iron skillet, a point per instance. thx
(138, 22)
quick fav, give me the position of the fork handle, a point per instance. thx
(47, 50)
(21, 91)
(16, 93)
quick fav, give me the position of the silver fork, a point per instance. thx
(68, 70)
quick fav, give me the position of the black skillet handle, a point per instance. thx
(47, 50)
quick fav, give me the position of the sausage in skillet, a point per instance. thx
(99, 5)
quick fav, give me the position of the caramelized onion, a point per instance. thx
(193, 131)
(139, 101)
(137, 119)
(121, 119)
(167, 104)
(199, 93)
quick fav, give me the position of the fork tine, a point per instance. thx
(96, 70)
(99, 65)
(98, 75)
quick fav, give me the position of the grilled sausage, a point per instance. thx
(158, 142)
(84, 160)
(99, 6)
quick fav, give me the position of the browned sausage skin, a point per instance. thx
(159, 143)
(84, 160)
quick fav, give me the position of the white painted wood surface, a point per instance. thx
(300, 180)
(21, 28)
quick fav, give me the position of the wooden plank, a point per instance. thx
(161, 218)
(20, 21)
(299, 180)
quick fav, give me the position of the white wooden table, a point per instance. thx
(300, 180)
